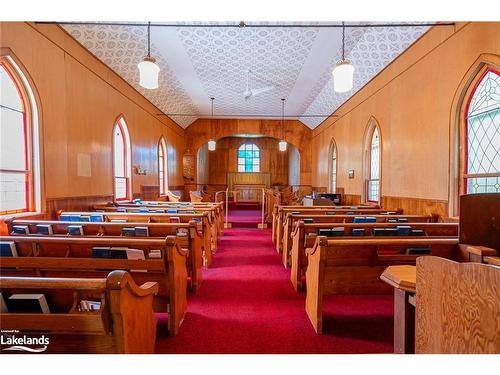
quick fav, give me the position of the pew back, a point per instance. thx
(125, 322)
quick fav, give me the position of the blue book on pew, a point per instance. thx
(85, 218)
(20, 229)
(121, 209)
(359, 219)
(64, 217)
(8, 249)
(141, 231)
(403, 230)
(96, 218)
(188, 212)
(118, 252)
(171, 211)
(392, 221)
(128, 232)
(308, 220)
(358, 232)
(75, 230)
(334, 232)
(101, 252)
(370, 219)
(143, 209)
(402, 219)
(44, 229)
(350, 213)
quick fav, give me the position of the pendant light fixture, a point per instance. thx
(343, 73)
(212, 143)
(282, 143)
(148, 70)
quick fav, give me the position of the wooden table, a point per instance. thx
(403, 279)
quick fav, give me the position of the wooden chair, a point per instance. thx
(72, 257)
(125, 322)
(354, 266)
(457, 307)
(195, 196)
(304, 236)
(187, 235)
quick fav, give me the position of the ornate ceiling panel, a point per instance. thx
(197, 63)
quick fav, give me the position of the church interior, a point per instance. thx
(250, 187)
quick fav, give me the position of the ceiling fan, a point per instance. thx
(248, 93)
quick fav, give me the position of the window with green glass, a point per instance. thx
(248, 158)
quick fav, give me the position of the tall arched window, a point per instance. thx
(19, 162)
(121, 161)
(372, 163)
(333, 167)
(481, 172)
(248, 158)
(162, 166)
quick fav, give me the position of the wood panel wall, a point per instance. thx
(225, 159)
(412, 101)
(80, 100)
(295, 132)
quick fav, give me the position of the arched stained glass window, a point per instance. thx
(19, 192)
(162, 166)
(248, 158)
(333, 168)
(482, 149)
(121, 160)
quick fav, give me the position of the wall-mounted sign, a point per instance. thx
(351, 173)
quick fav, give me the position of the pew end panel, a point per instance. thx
(457, 307)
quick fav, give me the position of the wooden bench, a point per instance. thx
(292, 219)
(281, 212)
(205, 225)
(304, 236)
(125, 323)
(445, 307)
(187, 234)
(53, 256)
(354, 266)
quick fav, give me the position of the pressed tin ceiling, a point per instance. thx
(200, 62)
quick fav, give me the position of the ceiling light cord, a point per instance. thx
(282, 117)
(149, 39)
(343, 39)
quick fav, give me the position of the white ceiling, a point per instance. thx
(197, 63)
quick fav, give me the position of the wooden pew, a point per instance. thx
(279, 210)
(206, 226)
(214, 211)
(284, 213)
(72, 257)
(353, 266)
(446, 307)
(187, 234)
(304, 236)
(125, 323)
(292, 219)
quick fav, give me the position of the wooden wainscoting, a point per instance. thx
(351, 199)
(417, 206)
(75, 203)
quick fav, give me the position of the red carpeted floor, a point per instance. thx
(246, 304)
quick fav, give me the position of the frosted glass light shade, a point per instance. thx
(282, 145)
(148, 73)
(211, 145)
(343, 76)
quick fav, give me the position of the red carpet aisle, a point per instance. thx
(247, 305)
